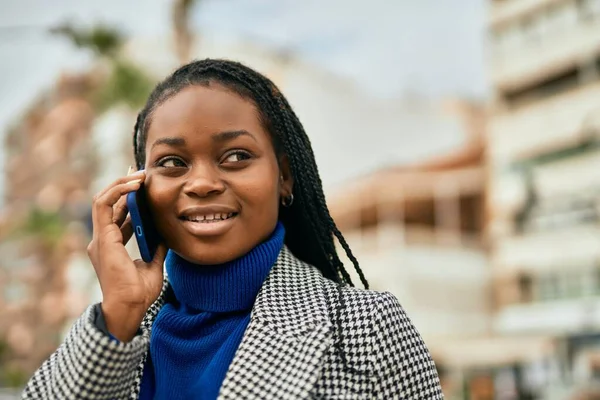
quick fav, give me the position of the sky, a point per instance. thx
(388, 47)
(428, 46)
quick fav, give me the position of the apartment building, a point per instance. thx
(544, 188)
(417, 231)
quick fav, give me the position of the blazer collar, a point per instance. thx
(289, 333)
(283, 348)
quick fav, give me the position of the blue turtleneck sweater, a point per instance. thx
(199, 329)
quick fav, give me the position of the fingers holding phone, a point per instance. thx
(121, 217)
(104, 213)
(128, 287)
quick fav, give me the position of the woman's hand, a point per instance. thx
(128, 287)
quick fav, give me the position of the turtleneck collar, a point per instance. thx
(228, 287)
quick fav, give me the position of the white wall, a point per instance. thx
(532, 48)
(556, 317)
(572, 176)
(549, 250)
(546, 125)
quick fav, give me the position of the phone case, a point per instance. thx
(143, 228)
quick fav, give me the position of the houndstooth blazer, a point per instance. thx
(293, 348)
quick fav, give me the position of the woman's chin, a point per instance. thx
(209, 257)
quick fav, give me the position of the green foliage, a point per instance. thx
(126, 84)
(12, 377)
(3, 350)
(48, 226)
(102, 40)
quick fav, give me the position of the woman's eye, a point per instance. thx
(237, 157)
(171, 163)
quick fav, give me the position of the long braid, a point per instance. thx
(321, 200)
(136, 134)
(308, 163)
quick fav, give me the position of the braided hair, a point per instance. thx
(310, 229)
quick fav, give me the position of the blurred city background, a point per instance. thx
(458, 142)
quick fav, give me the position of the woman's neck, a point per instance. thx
(228, 287)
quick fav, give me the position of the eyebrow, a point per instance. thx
(218, 137)
(230, 135)
(170, 141)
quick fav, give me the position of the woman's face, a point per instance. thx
(213, 181)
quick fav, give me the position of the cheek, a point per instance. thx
(161, 197)
(261, 193)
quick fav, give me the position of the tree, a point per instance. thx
(182, 33)
(125, 82)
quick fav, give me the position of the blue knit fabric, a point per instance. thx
(197, 333)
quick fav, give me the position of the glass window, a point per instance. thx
(597, 280)
(563, 282)
(547, 287)
(574, 284)
(589, 282)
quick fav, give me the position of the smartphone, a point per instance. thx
(145, 232)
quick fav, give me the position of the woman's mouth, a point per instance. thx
(205, 225)
(209, 218)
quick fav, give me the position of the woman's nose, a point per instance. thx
(203, 182)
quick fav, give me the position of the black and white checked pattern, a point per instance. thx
(292, 349)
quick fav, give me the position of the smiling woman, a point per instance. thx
(255, 303)
(207, 153)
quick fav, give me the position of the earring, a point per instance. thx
(287, 201)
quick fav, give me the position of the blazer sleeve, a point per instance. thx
(403, 366)
(89, 365)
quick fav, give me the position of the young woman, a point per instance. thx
(255, 302)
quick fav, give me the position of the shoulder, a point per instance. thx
(350, 303)
(361, 303)
(374, 319)
(348, 307)
(379, 340)
(375, 344)
(381, 308)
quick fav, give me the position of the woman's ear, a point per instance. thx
(286, 180)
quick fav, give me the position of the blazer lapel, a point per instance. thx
(289, 333)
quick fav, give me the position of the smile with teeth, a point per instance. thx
(209, 218)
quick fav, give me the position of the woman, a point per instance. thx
(256, 303)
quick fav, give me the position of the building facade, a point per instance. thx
(417, 231)
(544, 188)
